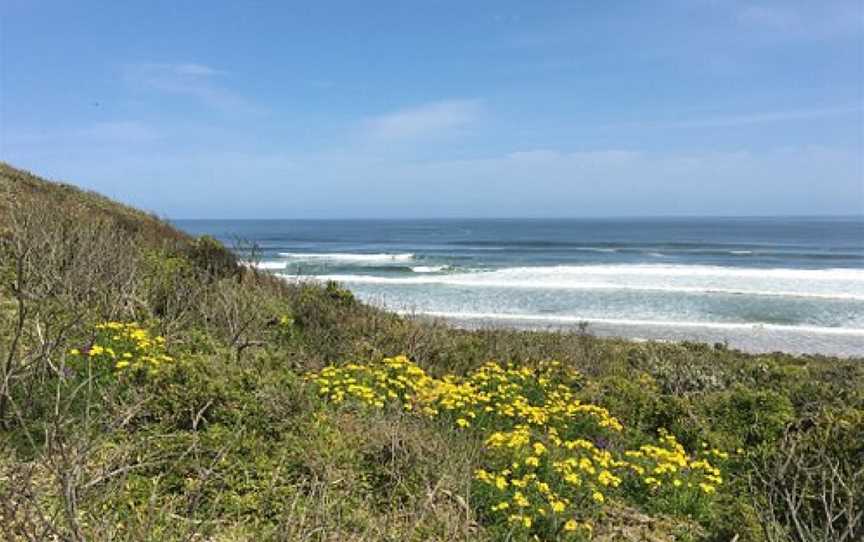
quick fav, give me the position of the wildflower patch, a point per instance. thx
(123, 347)
(552, 462)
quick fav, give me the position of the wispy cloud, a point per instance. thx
(195, 80)
(814, 19)
(694, 120)
(193, 70)
(99, 133)
(118, 131)
(530, 182)
(770, 16)
(428, 119)
(765, 117)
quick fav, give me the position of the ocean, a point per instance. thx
(758, 284)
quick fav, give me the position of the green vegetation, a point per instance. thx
(152, 388)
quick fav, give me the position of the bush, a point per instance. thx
(810, 486)
(209, 255)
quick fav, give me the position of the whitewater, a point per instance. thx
(760, 284)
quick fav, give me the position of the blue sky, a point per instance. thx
(404, 109)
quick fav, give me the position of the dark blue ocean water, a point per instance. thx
(794, 284)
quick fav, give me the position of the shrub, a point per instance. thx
(551, 462)
(210, 256)
(810, 486)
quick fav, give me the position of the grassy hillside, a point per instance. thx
(153, 389)
(21, 186)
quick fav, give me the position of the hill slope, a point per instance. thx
(17, 185)
(153, 389)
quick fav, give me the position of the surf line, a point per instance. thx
(752, 326)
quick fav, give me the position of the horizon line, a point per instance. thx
(532, 217)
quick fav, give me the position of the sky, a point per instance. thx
(441, 109)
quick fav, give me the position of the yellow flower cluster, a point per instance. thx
(125, 346)
(550, 462)
(392, 378)
(667, 464)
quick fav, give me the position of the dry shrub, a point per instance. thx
(810, 487)
(239, 311)
(413, 477)
(59, 274)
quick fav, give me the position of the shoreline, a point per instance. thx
(750, 339)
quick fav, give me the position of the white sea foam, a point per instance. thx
(568, 319)
(596, 249)
(685, 271)
(845, 284)
(347, 257)
(365, 279)
(269, 265)
(429, 268)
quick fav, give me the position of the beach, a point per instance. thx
(755, 339)
(757, 284)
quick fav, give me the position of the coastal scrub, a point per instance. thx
(551, 463)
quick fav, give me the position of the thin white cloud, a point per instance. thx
(544, 182)
(606, 157)
(194, 70)
(770, 16)
(534, 155)
(101, 133)
(118, 131)
(766, 117)
(194, 80)
(804, 19)
(428, 119)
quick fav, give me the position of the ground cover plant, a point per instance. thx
(553, 461)
(153, 388)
